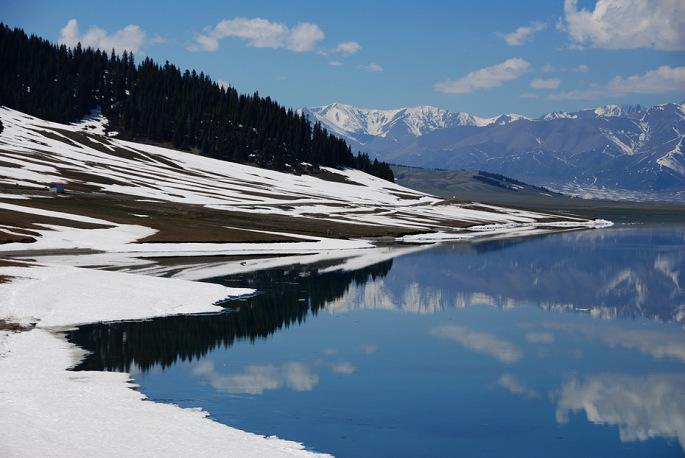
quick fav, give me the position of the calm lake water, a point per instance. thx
(565, 345)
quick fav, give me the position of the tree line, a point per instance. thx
(164, 341)
(162, 104)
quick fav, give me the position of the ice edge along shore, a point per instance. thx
(51, 410)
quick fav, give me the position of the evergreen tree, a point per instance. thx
(159, 103)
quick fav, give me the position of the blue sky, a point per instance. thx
(463, 56)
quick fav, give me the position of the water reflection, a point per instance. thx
(287, 297)
(515, 386)
(454, 346)
(481, 342)
(642, 407)
(659, 343)
(257, 379)
(608, 274)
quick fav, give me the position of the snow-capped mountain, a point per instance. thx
(613, 147)
(351, 121)
(363, 124)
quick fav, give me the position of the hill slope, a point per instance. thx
(125, 196)
(162, 104)
(499, 190)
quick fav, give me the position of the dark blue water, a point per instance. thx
(566, 345)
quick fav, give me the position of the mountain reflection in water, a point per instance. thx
(464, 346)
(286, 297)
(587, 271)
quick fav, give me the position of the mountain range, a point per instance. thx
(612, 150)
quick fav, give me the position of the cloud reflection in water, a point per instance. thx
(642, 407)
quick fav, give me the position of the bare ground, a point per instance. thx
(178, 223)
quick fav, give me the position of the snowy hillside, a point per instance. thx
(615, 148)
(120, 194)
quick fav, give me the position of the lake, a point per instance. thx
(569, 344)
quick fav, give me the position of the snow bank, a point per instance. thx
(49, 411)
(435, 237)
(592, 224)
(504, 230)
(66, 296)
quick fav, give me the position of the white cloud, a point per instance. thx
(253, 380)
(298, 377)
(348, 48)
(541, 83)
(344, 368)
(204, 43)
(130, 38)
(304, 36)
(372, 68)
(487, 77)
(642, 407)
(528, 95)
(223, 84)
(335, 63)
(625, 24)
(480, 342)
(515, 386)
(549, 68)
(654, 343)
(158, 39)
(522, 34)
(259, 378)
(260, 33)
(662, 79)
(540, 337)
(658, 81)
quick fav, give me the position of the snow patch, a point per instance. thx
(50, 411)
(87, 295)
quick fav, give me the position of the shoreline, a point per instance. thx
(87, 295)
(101, 413)
(92, 409)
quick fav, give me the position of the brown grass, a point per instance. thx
(482, 208)
(7, 278)
(403, 195)
(11, 165)
(177, 222)
(87, 177)
(12, 263)
(29, 221)
(334, 177)
(6, 237)
(12, 327)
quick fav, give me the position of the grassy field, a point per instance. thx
(180, 223)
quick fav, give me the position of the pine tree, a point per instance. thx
(149, 102)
